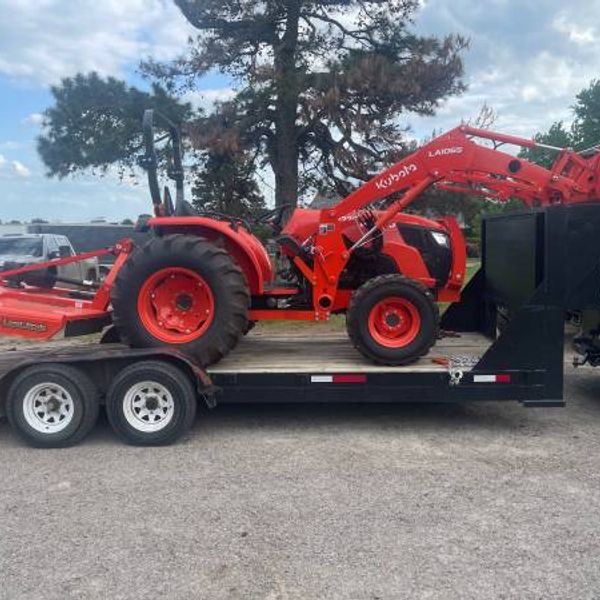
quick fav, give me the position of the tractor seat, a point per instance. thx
(185, 209)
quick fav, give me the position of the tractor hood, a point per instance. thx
(304, 222)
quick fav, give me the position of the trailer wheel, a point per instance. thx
(52, 405)
(151, 403)
(392, 320)
(181, 290)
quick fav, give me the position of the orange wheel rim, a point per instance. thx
(176, 305)
(394, 322)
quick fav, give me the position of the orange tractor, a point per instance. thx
(203, 278)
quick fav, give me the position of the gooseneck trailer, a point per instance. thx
(504, 340)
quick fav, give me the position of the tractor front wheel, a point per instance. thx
(182, 291)
(392, 320)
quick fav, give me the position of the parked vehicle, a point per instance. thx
(89, 236)
(17, 250)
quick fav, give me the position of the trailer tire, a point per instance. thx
(151, 403)
(52, 405)
(204, 313)
(392, 320)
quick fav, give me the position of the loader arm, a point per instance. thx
(455, 161)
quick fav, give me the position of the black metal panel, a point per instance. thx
(514, 247)
(87, 326)
(470, 313)
(582, 256)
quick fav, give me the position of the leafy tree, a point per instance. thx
(95, 124)
(584, 131)
(126, 222)
(322, 88)
(557, 135)
(321, 83)
(586, 127)
(38, 221)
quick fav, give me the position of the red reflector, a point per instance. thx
(502, 378)
(349, 379)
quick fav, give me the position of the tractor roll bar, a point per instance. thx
(162, 206)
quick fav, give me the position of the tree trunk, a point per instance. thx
(285, 164)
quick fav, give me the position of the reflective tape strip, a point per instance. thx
(484, 379)
(348, 378)
(505, 378)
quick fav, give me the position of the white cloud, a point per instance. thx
(34, 119)
(2, 161)
(207, 98)
(42, 41)
(20, 170)
(578, 33)
(526, 63)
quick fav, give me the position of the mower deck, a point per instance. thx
(41, 315)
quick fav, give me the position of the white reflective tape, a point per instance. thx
(321, 378)
(484, 379)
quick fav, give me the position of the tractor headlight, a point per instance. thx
(441, 238)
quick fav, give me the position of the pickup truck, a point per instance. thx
(24, 249)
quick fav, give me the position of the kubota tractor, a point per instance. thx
(203, 279)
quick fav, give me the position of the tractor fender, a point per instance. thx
(244, 247)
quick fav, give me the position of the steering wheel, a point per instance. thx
(274, 218)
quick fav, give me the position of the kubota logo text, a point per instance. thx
(388, 180)
(445, 151)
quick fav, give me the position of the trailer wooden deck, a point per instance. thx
(333, 352)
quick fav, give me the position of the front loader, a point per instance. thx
(203, 278)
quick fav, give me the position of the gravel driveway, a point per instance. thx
(316, 502)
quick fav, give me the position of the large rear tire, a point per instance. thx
(182, 291)
(392, 320)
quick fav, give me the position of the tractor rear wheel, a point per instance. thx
(392, 320)
(183, 291)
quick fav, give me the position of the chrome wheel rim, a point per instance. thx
(48, 408)
(148, 406)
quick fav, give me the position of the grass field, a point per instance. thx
(338, 322)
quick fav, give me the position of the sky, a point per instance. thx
(527, 60)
